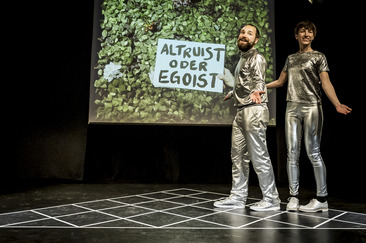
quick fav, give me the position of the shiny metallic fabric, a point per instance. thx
(304, 119)
(249, 75)
(304, 85)
(249, 130)
(249, 144)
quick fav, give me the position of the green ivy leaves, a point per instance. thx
(129, 36)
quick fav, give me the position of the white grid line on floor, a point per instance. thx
(166, 205)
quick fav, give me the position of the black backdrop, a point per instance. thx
(45, 107)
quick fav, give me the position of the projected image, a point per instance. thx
(157, 61)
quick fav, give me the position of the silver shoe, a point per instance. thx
(314, 206)
(264, 206)
(229, 202)
(293, 204)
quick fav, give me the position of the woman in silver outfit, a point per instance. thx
(249, 126)
(307, 73)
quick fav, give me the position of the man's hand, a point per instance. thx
(227, 77)
(228, 96)
(256, 96)
(343, 109)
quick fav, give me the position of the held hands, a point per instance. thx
(343, 109)
(255, 97)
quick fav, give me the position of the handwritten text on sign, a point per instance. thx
(189, 65)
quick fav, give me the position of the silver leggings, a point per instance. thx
(249, 144)
(304, 119)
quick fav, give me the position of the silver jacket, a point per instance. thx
(250, 74)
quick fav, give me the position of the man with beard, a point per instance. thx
(249, 126)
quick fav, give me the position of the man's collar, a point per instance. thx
(245, 54)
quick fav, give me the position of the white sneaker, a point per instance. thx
(314, 206)
(229, 202)
(263, 206)
(293, 204)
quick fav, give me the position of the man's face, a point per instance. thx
(305, 36)
(247, 38)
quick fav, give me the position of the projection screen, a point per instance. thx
(157, 61)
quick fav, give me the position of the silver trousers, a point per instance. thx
(249, 144)
(304, 119)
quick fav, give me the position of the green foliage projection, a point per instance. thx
(129, 37)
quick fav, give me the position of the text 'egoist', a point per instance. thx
(189, 65)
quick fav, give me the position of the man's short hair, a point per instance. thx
(257, 34)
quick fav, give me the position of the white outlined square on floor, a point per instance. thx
(182, 208)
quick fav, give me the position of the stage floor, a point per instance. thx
(163, 213)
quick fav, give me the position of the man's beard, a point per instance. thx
(245, 47)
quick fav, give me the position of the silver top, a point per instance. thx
(303, 69)
(250, 74)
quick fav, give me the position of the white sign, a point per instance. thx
(189, 65)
